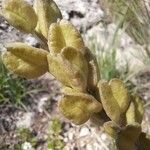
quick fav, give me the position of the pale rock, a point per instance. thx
(103, 136)
(70, 135)
(82, 13)
(41, 103)
(26, 120)
(127, 52)
(27, 146)
(30, 40)
(84, 132)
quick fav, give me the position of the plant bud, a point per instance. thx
(64, 34)
(25, 60)
(78, 107)
(48, 13)
(20, 15)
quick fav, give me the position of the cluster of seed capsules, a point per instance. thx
(85, 95)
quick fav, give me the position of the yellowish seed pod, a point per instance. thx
(25, 60)
(135, 111)
(78, 107)
(127, 137)
(115, 99)
(139, 109)
(94, 72)
(120, 93)
(70, 68)
(64, 34)
(111, 128)
(144, 141)
(20, 15)
(109, 103)
(48, 13)
(77, 59)
(130, 114)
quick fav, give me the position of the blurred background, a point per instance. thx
(120, 39)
